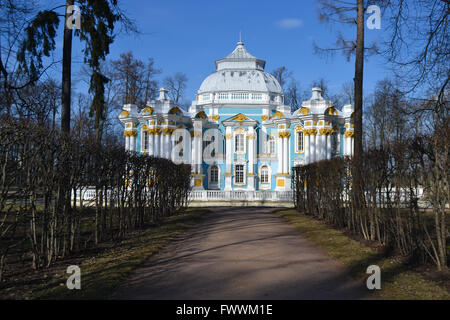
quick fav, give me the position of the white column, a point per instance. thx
(323, 147)
(313, 148)
(287, 167)
(156, 145)
(228, 157)
(172, 145)
(285, 155)
(280, 153)
(306, 148)
(328, 137)
(346, 146)
(161, 144)
(317, 145)
(193, 153)
(151, 145)
(352, 146)
(251, 159)
(199, 151)
(127, 143)
(133, 143)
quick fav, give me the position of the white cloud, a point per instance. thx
(289, 23)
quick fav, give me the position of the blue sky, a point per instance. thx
(188, 36)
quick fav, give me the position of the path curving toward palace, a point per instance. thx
(242, 253)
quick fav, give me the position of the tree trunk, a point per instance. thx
(66, 73)
(357, 115)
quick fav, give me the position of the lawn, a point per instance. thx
(103, 271)
(398, 282)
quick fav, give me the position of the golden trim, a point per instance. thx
(304, 111)
(124, 114)
(280, 182)
(278, 115)
(147, 111)
(284, 134)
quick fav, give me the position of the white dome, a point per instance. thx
(240, 80)
(242, 72)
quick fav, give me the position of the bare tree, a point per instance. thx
(176, 85)
(133, 79)
(282, 74)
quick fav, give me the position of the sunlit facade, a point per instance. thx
(238, 134)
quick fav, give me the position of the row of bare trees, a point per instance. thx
(406, 196)
(42, 219)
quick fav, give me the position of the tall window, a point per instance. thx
(214, 175)
(271, 145)
(239, 143)
(239, 174)
(334, 143)
(145, 140)
(299, 141)
(264, 174)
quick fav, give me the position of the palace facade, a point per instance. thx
(239, 135)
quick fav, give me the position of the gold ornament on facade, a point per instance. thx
(304, 111)
(228, 136)
(147, 111)
(284, 134)
(130, 133)
(264, 117)
(168, 131)
(326, 132)
(349, 134)
(251, 136)
(124, 114)
(240, 118)
(310, 132)
(277, 115)
(216, 117)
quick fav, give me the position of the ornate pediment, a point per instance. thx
(240, 118)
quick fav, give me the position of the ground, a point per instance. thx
(231, 253)
(242, 253)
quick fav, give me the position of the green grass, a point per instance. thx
(101, 275)
(398, 282)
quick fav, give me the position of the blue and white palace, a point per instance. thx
(239, 137)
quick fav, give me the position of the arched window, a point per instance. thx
(300, 143)
(264, 174)
(214, 175)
